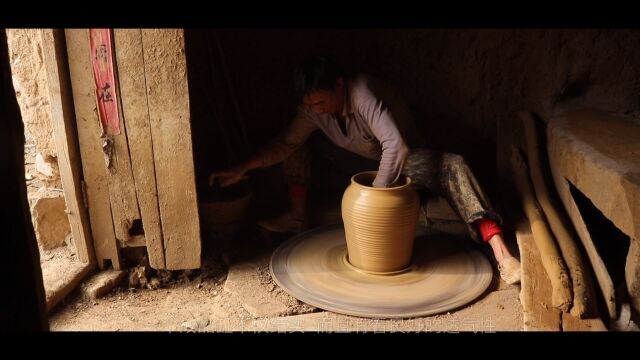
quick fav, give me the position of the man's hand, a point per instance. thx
(228, 177)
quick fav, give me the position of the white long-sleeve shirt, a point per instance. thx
(378, 125)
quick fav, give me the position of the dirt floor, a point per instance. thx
(234, 292)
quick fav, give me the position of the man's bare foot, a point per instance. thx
(509, 266)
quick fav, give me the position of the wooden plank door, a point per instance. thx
(140, 183)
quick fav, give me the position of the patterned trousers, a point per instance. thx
(432, 172)
(449, 176)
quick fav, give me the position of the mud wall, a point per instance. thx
(461, 84)
(466, 85)
(31, 87)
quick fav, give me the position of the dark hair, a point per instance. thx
(315, 73)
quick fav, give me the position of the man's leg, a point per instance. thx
(341, 165)
(448, 175)
(297, 171)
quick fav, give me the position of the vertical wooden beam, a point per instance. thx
(632, 273)
(130, 63)
(554, 265)
(562, 186)
(64, 133)
(167, 91)
(93, 164)
(584, 296)
(535, 296)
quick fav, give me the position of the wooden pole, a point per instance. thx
(552, 261)
(582, 285)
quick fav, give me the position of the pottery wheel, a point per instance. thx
(445, 274)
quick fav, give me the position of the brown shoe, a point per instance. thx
(284, 223)
(510, 270)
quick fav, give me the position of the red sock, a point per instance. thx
(297, 190)
(487, 228)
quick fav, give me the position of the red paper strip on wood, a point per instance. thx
(102, 63)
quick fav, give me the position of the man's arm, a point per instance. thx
(289, 141)
(394, 149)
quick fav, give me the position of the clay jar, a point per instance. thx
(380, 223)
